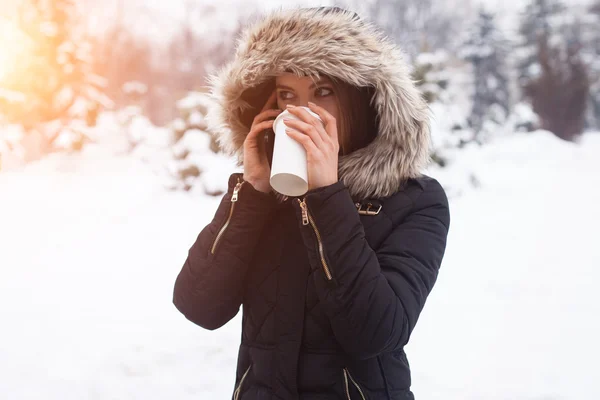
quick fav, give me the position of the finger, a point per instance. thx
(328, 120)
(304, 140)
(258, 128)
(261, 144)
(312, 121)
(305, 129)
(266, 114)
(270, 101)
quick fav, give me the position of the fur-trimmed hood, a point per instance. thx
(333, 42)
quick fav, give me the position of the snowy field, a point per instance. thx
(91, 243)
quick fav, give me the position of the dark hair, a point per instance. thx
(358, 126)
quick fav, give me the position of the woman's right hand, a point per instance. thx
(257, 171)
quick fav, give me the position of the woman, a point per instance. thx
(332, 282)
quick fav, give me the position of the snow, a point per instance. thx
(11, 96)
(196, 118)
(178, 124)
(92, 242)
(433, 59)
(194, 140)
(67, 139)
(516, 298)
(11, 133)
(135, 88)
(194, 101)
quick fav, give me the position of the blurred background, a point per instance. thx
(108, 173)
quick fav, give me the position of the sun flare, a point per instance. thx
(11, 48)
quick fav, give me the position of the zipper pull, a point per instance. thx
(304, 211)
(236, 190)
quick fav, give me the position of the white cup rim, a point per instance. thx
(289, 115)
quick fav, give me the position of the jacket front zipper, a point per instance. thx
(346, 376)
(234, 199)
(238, 390)
(307, 219)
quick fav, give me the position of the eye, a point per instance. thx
(324, 92)
(285, 95)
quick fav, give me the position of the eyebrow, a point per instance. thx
(320, 82)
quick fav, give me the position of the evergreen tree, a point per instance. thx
(486, 49)
(430, 75)
(193, 145)
(593, 53)
(55, 77)
(541, 23)
(553, 74)
(417, 25)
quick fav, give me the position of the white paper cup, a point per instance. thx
(289, 170)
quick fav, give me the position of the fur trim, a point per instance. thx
(338, 44)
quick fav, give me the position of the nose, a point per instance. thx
(300, 103)
(296, 102)
(301, 100)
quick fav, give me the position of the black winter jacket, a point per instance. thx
(329, 297)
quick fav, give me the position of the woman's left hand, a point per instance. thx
(320, 142)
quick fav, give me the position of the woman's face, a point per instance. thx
(298, 91)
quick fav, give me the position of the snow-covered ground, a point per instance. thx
(91, 243)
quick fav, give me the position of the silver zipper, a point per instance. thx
(346, 385)
(346, 376)
(306, 219)
(237, 391)
(234, 199)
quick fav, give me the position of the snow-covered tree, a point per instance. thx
(592, 52)
(192, 111)
(131, 118)
(486, 49)
(442, 80)
(194, 148)
(541, 22)
(553, 75)
(54, 77)
(417, 25)
(430, 74)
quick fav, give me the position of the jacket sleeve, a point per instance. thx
(373, 299)
(209, 287)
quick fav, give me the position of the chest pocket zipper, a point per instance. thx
(236, 393)
(348, 376)
(306, 220)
